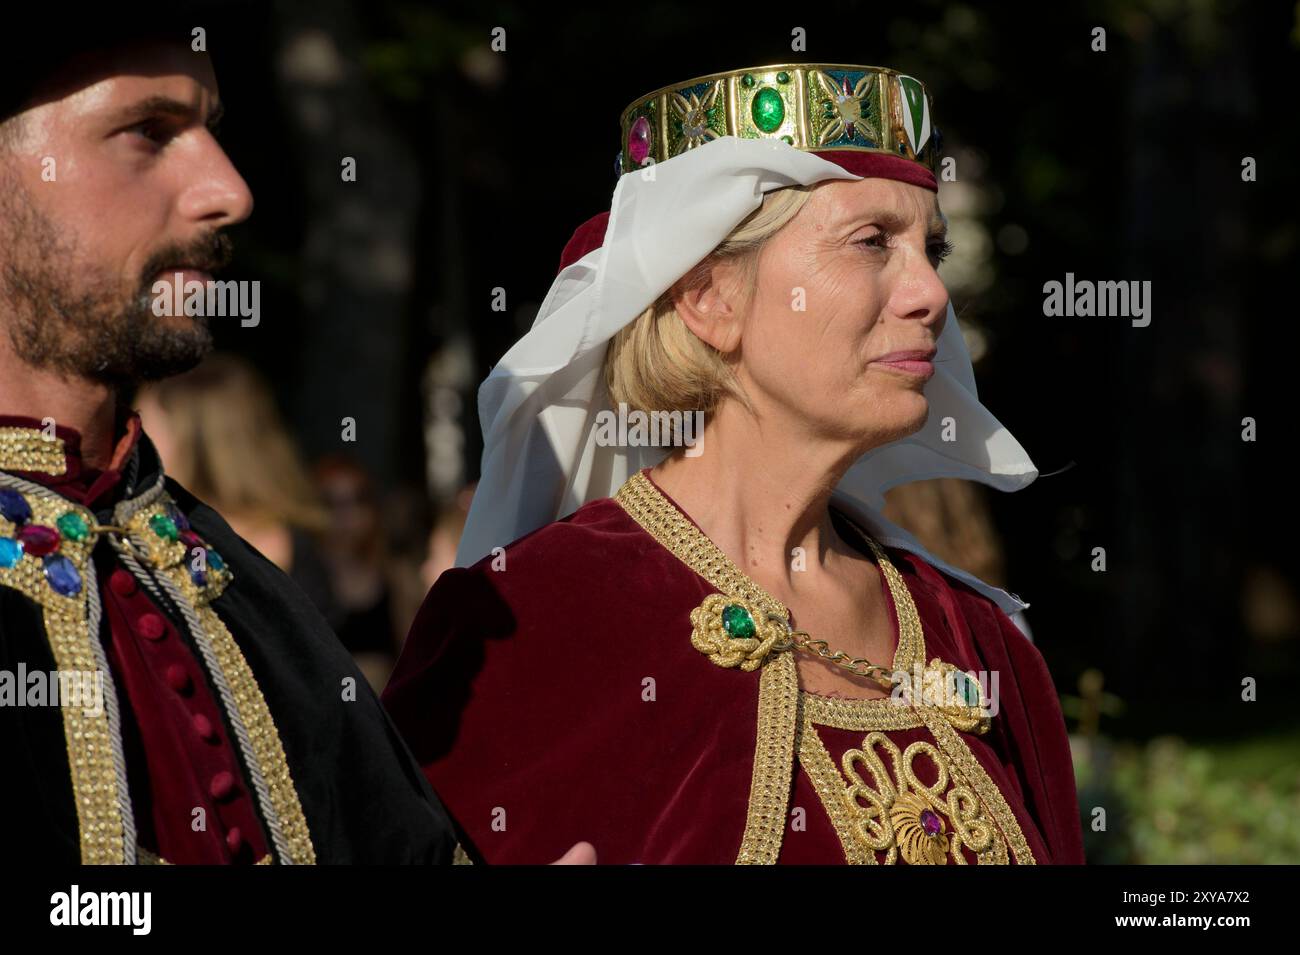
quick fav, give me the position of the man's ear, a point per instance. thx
(710, 301)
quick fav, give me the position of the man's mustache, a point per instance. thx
(209, 253)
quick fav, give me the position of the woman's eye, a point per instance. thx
(940, 251)
(878, 241)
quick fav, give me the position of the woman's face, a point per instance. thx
(847, 284)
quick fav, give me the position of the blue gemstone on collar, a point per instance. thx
(14, 507)
(200, 577)
(62, 575)
(179, 519)
(215, 561)
(11, 552)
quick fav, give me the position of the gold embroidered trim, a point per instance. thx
(643, 502)
(251, 710)
(889, 822)
(28, 449)
(964, 765)
(769, 787)
(89, 737)
(152, 858)
(460, 856)
(173, 555)
(780, 698)
(828, 783)
(859, 715)
(263, 735)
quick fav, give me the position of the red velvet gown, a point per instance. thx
(588, 683)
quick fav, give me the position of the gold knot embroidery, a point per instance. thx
(956, 696)
(898, 814)
(734, 633)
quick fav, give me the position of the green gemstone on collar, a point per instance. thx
(73, 526)
(164, 527)
(968, 688)
(768, 109)
(737, 622)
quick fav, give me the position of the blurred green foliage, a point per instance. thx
(1171, 801)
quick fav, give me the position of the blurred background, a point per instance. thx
(473, 167)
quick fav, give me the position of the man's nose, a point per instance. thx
(217, 195)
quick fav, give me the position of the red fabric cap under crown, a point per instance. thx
(591, 234)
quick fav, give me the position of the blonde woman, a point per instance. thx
(726, 645)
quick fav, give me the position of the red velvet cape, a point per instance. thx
(523, 693)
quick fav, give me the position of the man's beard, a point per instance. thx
(65, 317)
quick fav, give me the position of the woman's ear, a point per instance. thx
(710, 302)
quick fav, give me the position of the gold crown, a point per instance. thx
(812, 106)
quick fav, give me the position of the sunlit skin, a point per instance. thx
(865, 252)
(138, 169)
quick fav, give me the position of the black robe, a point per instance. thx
(363, 797)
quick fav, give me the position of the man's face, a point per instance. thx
(112, 182)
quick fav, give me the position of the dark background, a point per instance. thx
(475, 167)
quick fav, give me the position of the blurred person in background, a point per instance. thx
(219, 433)
(357, 559)
(951, 519)
(444, 538)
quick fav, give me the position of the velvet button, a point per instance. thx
(203, 726)
(151, 626)
(178, 679)
(222, 785)
(234, 840)
(123, 583)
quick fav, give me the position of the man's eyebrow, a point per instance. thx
(152, 106)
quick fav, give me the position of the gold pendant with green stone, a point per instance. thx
(732, 632)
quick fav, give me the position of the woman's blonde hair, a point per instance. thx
(656, 363)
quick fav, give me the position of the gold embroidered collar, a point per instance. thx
(650, 508)
(46, 544)
(974, 807)
(32, 450)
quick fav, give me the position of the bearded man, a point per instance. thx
(207, 713)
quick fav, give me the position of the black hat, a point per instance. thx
(32, 53)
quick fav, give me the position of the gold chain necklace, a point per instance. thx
(859, 666)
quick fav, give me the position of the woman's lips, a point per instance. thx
(918, 364)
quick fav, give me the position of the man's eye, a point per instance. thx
(157, 133)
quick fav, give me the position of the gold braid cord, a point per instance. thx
(97, 789)
(171, 557)
(874, 798)
(71, 620)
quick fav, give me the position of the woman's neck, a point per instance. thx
(762, 507)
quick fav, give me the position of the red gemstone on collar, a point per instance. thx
(38, 540)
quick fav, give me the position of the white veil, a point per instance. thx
(541, 460)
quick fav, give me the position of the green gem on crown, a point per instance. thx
(164, 527)
(737, 622)
(768, 109)
(73, 526)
